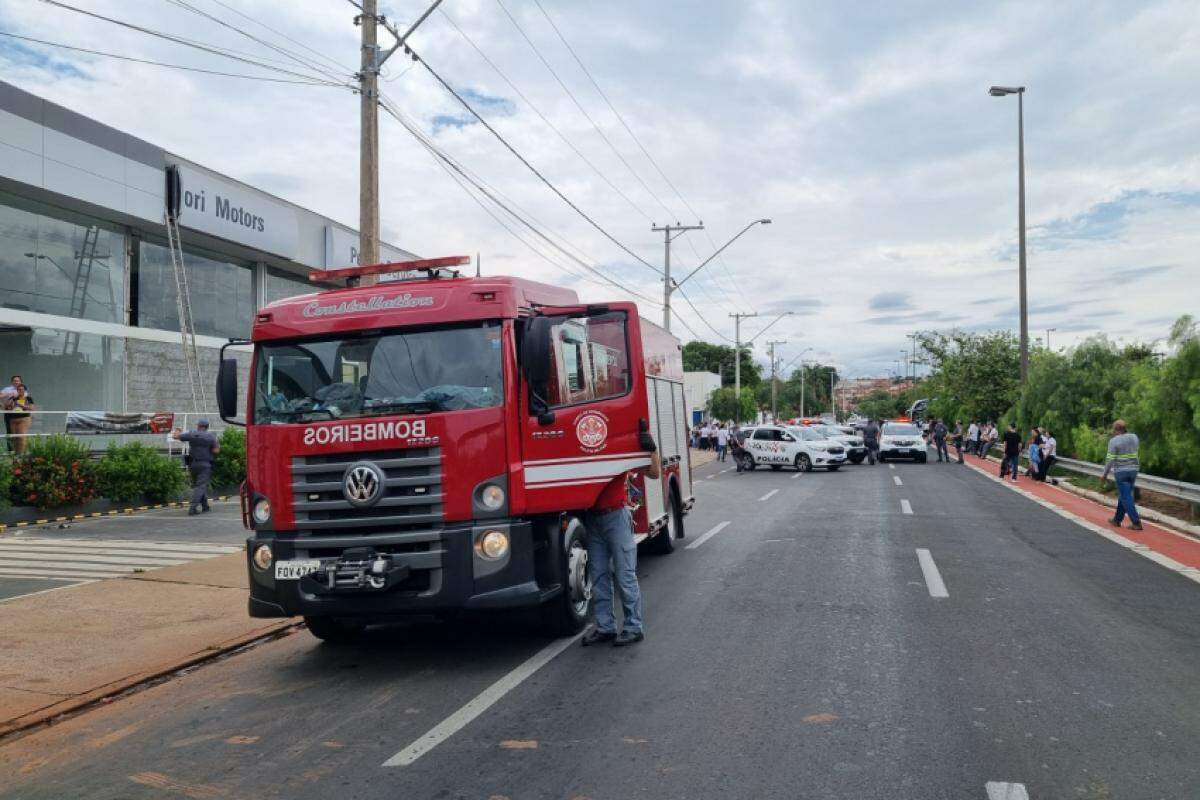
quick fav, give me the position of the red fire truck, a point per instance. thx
(429, 445)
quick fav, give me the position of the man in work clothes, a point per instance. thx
(1122, 462)
(202, 447)
(940, 432)
(1012, 452)
(871, 440)
(612, 555)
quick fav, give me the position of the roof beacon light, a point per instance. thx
(432, 266)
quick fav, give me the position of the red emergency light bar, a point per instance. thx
(425, 264)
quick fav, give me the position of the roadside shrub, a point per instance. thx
(6, 478)
(54, 471)
(229, 466)
(129, 472)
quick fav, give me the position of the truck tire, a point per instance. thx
(664, 543)
(332, 630)
(566, 613)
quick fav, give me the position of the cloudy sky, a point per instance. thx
(863, 130)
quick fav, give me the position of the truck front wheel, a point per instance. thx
(334, 631)
(567, 612)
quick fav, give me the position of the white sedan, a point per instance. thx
(901, 440)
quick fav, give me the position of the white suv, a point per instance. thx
(778, 447)
(901, 440)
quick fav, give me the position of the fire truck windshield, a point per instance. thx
(391, 372)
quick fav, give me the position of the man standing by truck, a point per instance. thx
(612, 555)
(202, 448)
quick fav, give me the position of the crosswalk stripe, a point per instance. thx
(86, 560)
(76, 566)
(59, 574)
(185, 547)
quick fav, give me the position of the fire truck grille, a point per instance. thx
(411, 500)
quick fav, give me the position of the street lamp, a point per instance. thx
(1019, 91)
(737, 341)
(1048, 332)
(670, 286)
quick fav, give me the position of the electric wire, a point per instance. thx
(332, 62)
(162, 63)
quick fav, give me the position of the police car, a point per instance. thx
(777, 447)
(901, 440)
(856, 451)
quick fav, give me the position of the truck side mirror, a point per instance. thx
(535, 361)
(227, 389)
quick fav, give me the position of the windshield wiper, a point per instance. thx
(300, 412)
(410, 406)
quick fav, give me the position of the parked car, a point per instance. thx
(802, 448)
(901, 440)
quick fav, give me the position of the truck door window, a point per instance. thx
(590, 359)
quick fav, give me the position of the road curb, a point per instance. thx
(114, 512)
(77, 703)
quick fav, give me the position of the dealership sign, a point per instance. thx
(228, 210)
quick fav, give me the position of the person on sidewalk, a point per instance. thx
(871, 440)
(958, 440)
(940, 432)
(612, 554)
(17, 404)
(1035, 453)
(1049, 454)
(1122, 462)
(202, 448)
(722, 442)
(973, 433)
(1012, 452)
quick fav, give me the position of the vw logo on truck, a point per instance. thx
(363, 484)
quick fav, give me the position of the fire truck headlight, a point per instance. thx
(492, 497)
(262, 556)
(262, 511)
(492, 544)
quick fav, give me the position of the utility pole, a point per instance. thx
(1019, 91)
(774, 382)
(832, 401)
(913, 361)
(737, 353)
(669, 287)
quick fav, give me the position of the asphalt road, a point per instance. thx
(41, 557)
(823, 644)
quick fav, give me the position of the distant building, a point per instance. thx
(698, 388)
(853, 391)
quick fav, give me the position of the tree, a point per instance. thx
(707, 357)
(973, 375)
(723, 405)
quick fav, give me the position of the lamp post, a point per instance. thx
(1048, 332)
(774, 386)
(737, 342)
(1019, 91)
(670, 286)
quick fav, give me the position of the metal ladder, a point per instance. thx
(187, 329)
(85, 260)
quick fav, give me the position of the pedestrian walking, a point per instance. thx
(940, 432)
(202, 448)
(958, 440)
(1049, 454)
(1012, 452)
(17, 405)
(722, 442)
(871, 440)
(1122, 462)
(612, 554)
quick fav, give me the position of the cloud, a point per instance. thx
(1132, 274)
(890, 301)
(21, 55)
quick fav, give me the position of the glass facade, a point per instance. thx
(222, 292)
(58, 262)
(65, 371)
(284, 284)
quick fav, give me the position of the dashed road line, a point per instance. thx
(1002, 790)
(891, 466)
(797, 475)
(479, 704)
(768, 495)
(897, 481)
(933, 578)
(720, 526)
(906, 506)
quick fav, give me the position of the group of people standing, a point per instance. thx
(712, 436)
(1041, 449)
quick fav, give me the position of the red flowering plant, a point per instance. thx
(53, 471)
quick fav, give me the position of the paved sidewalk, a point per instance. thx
(1167, 544)
(68, 648)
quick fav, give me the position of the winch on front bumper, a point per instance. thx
(359, 569)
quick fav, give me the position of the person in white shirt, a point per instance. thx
(722, 442)
(973, 437)
(1049, 454)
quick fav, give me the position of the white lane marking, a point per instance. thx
(480, 703)
(906, 506)
(768, 495)
(61, 573)
(1002, 790)
(933, 578)
(891, 466)
(720, 526)
(41, 557)
(123, 544)
(797, 475)
(896, 479)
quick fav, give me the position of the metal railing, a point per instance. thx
(1168, 486)
(49, 423)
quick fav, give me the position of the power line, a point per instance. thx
(703, 319)
(530, 166)
(161, 63)
(282, 35)
(582, 110)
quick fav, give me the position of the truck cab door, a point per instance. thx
(581, 400)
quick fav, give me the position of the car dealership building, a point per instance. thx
(88, 302)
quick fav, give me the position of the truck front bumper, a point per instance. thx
(418, 573)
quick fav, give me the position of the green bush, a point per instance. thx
(129, 472)
(6, 478)
(229, 466)
(54, 471)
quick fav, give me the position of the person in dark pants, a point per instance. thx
(940, 432)
(1012, 452)
(871, 440)
(958, 441)
(202, 448)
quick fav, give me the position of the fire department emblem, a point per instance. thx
(362, 484)
(592, 431)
